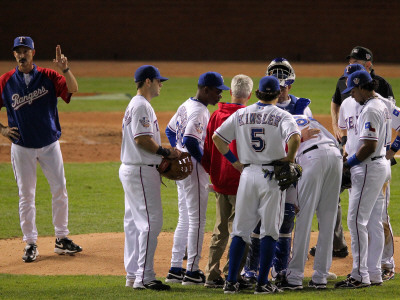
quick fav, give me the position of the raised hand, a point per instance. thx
(61, 61)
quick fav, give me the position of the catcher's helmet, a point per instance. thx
(281, 69)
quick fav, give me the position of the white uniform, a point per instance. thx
(349, 112)
(260, 131)
(141, 182)
(190, 120)
(318, 191)
(364, 217)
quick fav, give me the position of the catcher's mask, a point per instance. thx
(281, 69)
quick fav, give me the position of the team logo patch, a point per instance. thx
(369, 127)
(199, 127)
(145, 122)
(301, 121)
(368, 56)
(356, 80)
(396, 112)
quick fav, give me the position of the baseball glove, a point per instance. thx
(287, 173)
(346, 179)
(176, 169)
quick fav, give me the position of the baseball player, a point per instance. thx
(29, 94)
(349, 112)
(318, 191)
(187, 131)
(369, 171)
(281, 69)
(224, 178)
(140, 154)
(260, 131)
(363, 56)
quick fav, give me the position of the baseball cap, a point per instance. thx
(148, 71)
(356, 79)
(269, 84)
(23, 41)
(213, 79)
(360, 53)
(352, 68)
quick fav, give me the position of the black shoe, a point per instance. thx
(231, 288)
(387, 274)
(285, 285)
(192, 278)
(30, 253)
(217, 283)
(351, 283)
(173, 277)
(340, 253)
(267, 288)
(312, 251)
(244, 285)
(318, 286)
(155, 285)
(66, 246)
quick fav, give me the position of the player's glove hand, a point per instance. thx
(176, 168)
(346, 179)
(287, 173)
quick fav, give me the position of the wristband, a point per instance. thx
(344, 140)
(352, 161)
(396, 144)
(66, 70)
(163, 151)
(230, 156)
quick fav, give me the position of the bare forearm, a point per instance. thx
(293, 146)
(72, 84)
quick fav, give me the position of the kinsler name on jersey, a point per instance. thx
(259, 118)
(19, 101)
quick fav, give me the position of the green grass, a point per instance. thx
(111, 287)
(96, 201)
(177, 90)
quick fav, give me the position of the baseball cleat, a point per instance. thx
(175, 277)
(285, 285)
(30, 253)
(340, 253)
(66, 246)
(231, 288)
(351, 283)
(129, 283)
(387, 274)
(267, 288)
(155, 285)
(312, 251)
(217, 283)
(194, 278)
(318, 286)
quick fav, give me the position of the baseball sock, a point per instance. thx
(267, 252)
(235, 256)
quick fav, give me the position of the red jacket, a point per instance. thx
(224, 177)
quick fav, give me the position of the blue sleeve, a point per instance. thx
(171, 136)
(193, 147)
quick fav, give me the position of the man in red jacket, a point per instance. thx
(224, 178)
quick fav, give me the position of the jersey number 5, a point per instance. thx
(257, 142)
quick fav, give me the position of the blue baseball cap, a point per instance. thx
(352, 68)
(148, 71)
(269, 84)
(356, 79)
(213, 79)
(23, 41)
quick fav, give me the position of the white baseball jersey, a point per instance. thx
(140, 119)
(190, 120)
(259, 130)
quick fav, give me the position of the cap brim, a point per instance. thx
(347, 90)
(223, 87)
(162, 78)
(348, 56)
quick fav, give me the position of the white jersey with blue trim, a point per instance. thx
(348, 120)
(140, 119)
(260, 131)
(323, 137)
(374, 123)
(190, 120)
